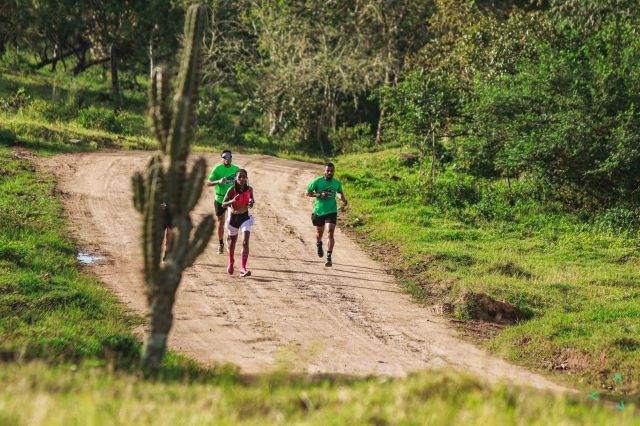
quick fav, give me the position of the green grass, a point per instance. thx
(48, 309)
(578, 287)
(38, 394)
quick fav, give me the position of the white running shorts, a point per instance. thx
(244, 227)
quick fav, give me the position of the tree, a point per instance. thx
(424, 107)
(569, 119)
(392, 30)
(298, 62)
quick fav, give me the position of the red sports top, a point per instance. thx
(244, 199)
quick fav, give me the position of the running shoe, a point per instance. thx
(320, 250)
(328, 264)
(230, 268)
(221, 249)
(245, 273)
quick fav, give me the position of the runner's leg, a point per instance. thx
(245, 254)
(330, 230)
(232, 251)
(221, 219)
(319, 233)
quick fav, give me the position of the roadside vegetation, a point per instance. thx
(573, 282)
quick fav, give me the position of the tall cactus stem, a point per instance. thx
(168, 190)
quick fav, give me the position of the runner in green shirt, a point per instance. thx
(325, 209)
(222, 177)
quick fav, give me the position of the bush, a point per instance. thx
(7, 137)
(453, 191)
(618, 220)
(345, 139)
(107, 120)
(16, 101)
(15, 60)
(76, 97)
(131, 124)
(49, 111)
(99, 119)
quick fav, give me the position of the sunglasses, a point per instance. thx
(227, 156)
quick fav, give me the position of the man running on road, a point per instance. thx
(325, 209)
(222, 177)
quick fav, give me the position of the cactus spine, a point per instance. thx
(168, 180)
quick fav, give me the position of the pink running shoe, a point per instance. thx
(244, 273)
(230, 268)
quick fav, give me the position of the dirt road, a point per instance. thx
(292, 312)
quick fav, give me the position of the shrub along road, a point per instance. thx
(292, 313)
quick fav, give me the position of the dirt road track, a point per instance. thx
(351, 319)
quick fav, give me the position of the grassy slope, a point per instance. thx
(51, 311)
(47, 309)
(43, 134)
(579, 287)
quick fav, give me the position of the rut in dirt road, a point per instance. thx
(292, 312)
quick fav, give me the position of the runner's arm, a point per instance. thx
(215, 182)
(343, 199)
(228, 198)
(252, 201)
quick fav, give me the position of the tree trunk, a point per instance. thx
(275, 119)
(390, 79)
(422, 154)
(115, 84)
(433, 155)
(150, 57)
(319, 135)
(56, 56)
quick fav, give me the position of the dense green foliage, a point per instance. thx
(568, 119)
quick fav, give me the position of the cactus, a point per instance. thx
(168, 180)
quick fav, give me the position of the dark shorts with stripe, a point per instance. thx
(219, 209)
(327, 218)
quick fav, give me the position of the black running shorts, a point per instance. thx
(327, 218)
(236, 220)
(219, 209)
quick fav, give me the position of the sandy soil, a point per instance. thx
(292, 312)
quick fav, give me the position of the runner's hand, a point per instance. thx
(223, 180)
(251, 202)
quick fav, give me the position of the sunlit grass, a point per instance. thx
(37, 394)
(580, 287)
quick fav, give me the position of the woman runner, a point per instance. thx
(240, 198)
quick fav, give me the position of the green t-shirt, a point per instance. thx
(328, 205)
(219, 172)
